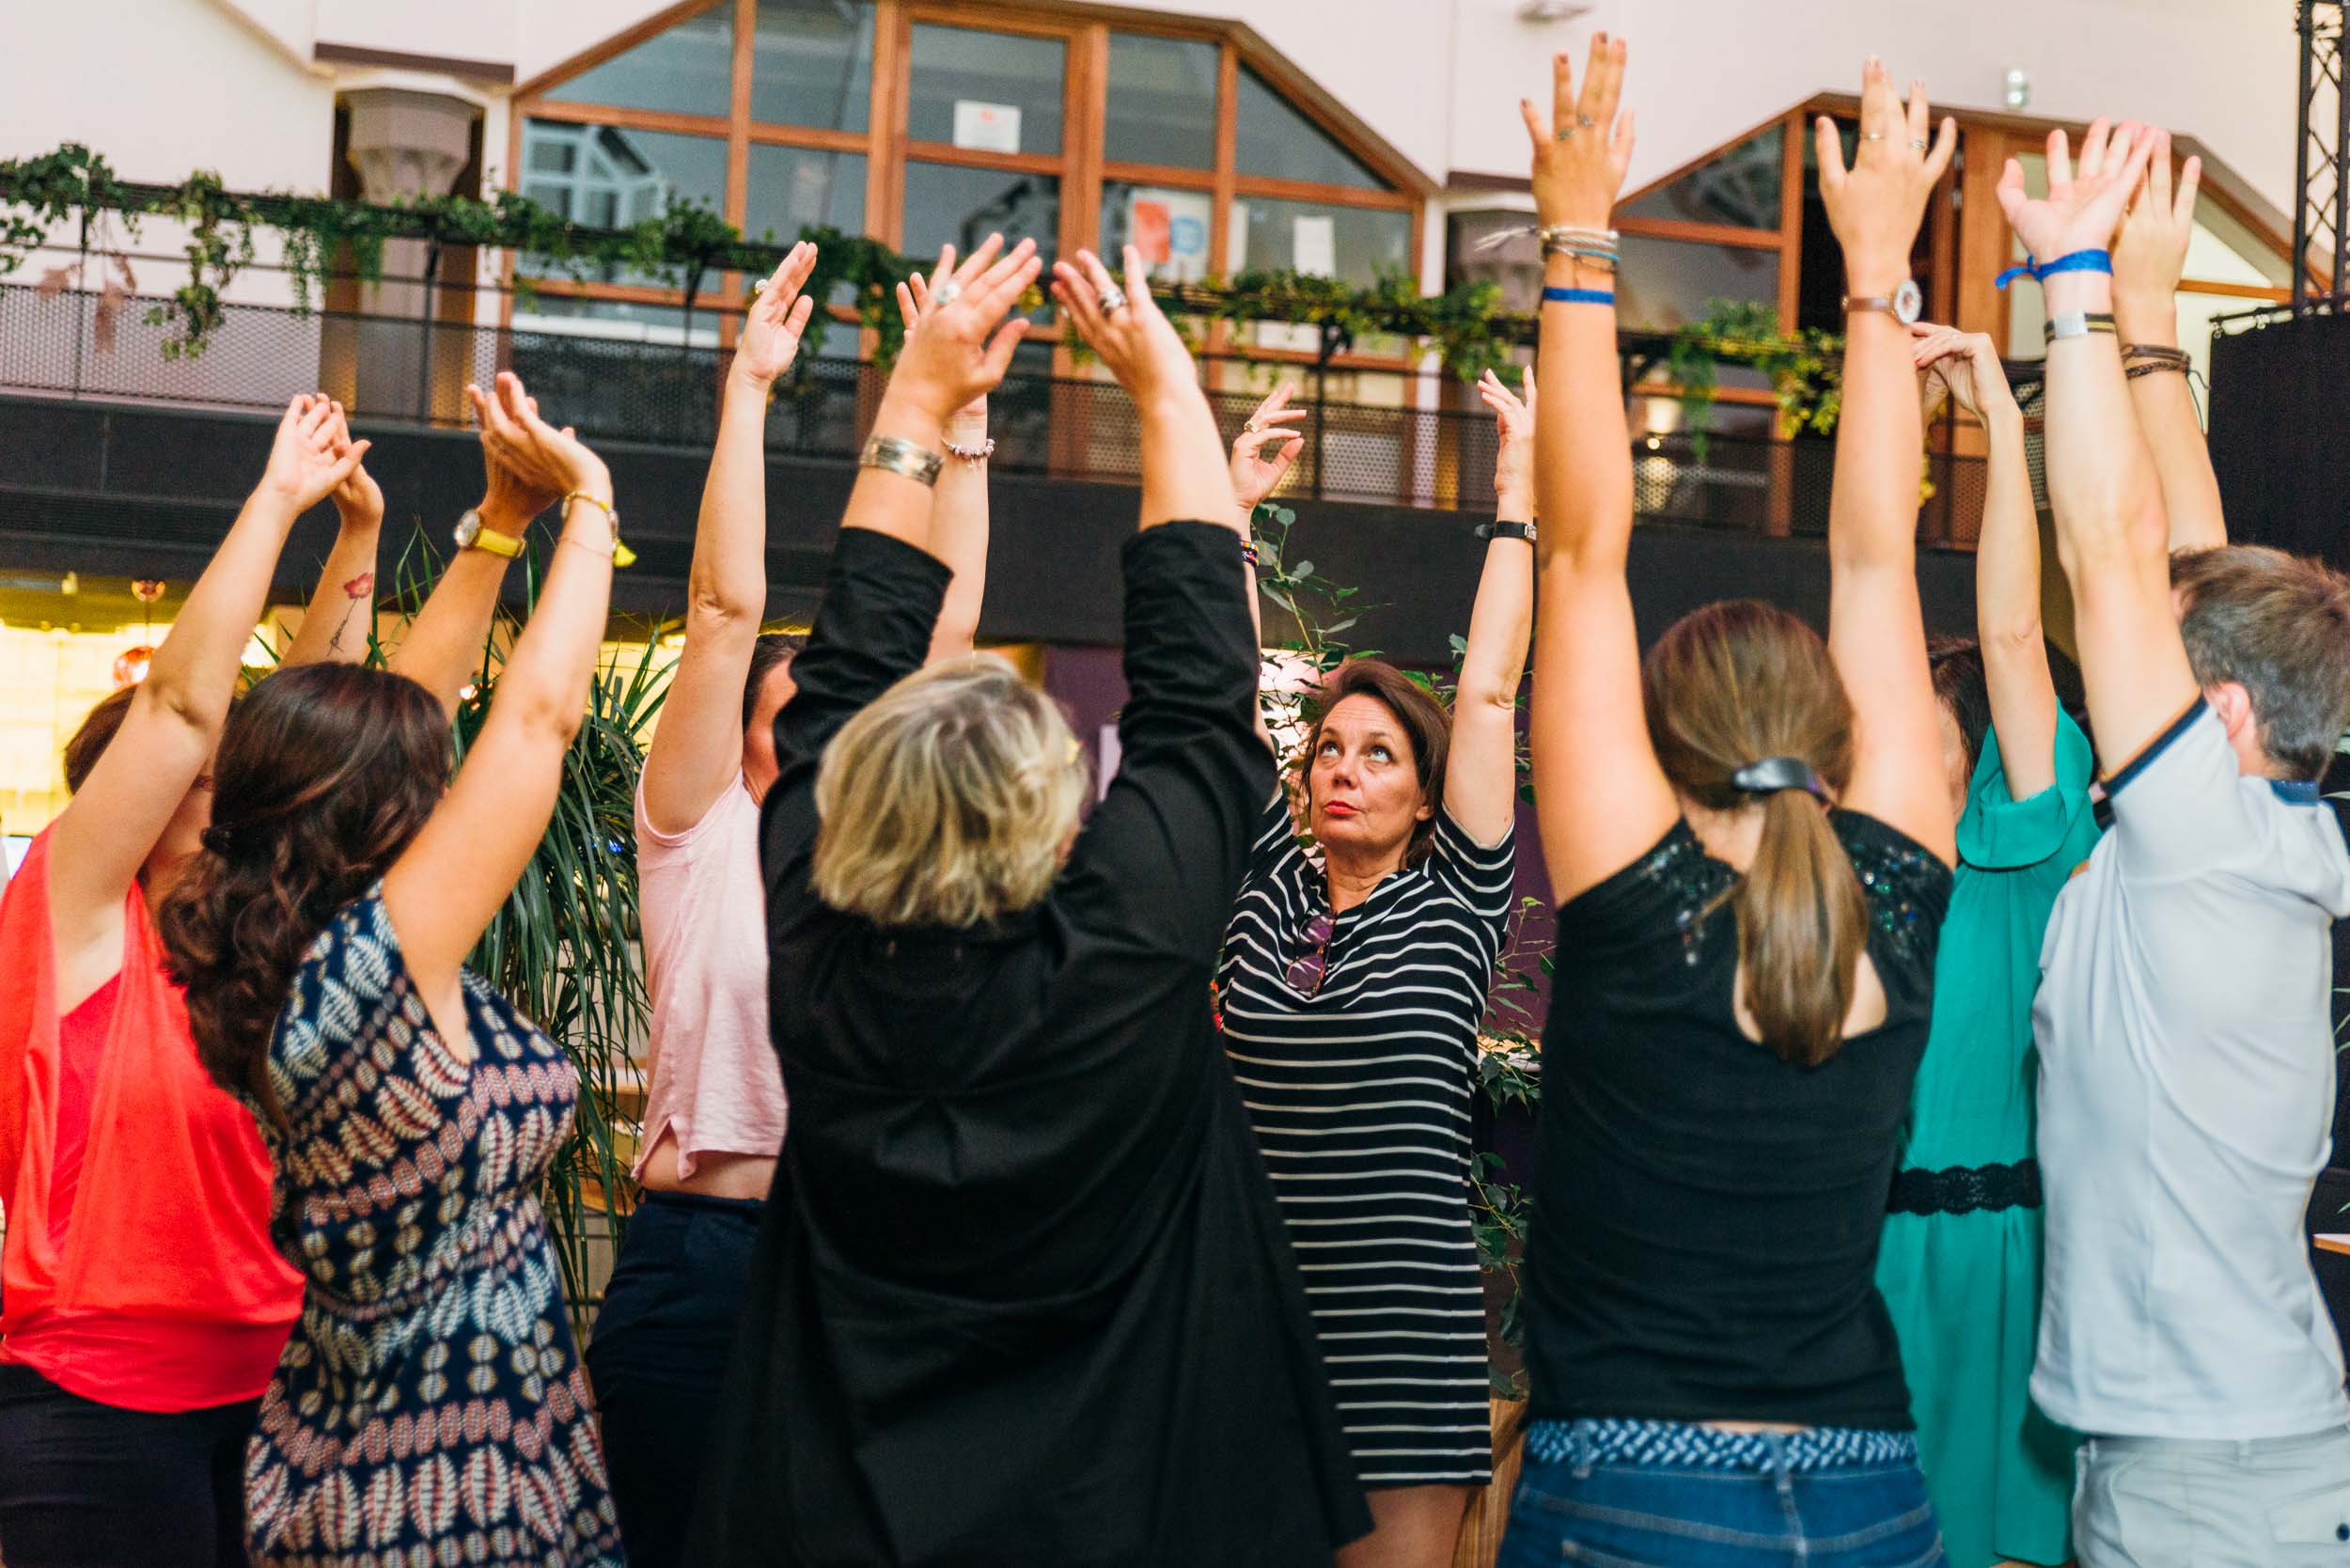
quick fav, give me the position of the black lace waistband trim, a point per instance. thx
(1963, 1189)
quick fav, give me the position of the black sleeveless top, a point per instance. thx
(1706, 1215)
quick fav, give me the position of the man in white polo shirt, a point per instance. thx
(2184, 1019)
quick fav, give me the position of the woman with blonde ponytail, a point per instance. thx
(1752, 863)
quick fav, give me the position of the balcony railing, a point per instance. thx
(409, 371)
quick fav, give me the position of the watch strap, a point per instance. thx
(486, 539)
(2076, 323)
(1499, 529)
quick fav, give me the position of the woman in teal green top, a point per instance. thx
(1960, 1264)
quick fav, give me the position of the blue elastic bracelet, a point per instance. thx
(2079, 262)
(1578, 296)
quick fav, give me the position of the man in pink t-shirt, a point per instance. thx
(713, 1119)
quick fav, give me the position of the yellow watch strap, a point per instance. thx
(487, 538)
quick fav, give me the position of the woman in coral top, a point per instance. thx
(145, 1307)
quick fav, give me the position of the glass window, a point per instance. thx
(1162, 102)
(1356, 243)
(812, 63)
(1275, 141)
(628, 320)
(2223, 250)
(1168, 225)
(1667, 284)
(685, 69)
(992, 92)
(793, 188)
(607, 176)
(949, 204)
(1740, 187)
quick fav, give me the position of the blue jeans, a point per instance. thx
(1662, 1516)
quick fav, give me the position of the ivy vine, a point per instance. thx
(690, 246)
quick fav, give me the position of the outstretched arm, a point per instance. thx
(2007, 560)
(340, 617)
(445, 888)
(447, 644)
(2149, 257)
(1601, 798)
(165, 742)
(2113, 537)
(1480, 780)
(1875, 628)
(696, 751)
(958, 506)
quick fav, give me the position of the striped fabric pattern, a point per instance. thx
(1360, 1099)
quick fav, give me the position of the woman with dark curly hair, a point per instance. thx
(430, 1397)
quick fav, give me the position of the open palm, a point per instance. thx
(2084, 203)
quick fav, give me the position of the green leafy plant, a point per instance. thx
(562, 948)
(1806, 368)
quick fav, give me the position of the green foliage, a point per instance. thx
(1806, 368)
(562, 949)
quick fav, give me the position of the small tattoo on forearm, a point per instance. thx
(357, 592)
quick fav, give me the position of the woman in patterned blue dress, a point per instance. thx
(430, 1407)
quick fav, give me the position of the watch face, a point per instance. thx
(1908, 304)
(468, 529)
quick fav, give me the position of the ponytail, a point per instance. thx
(1745, 708)
(1802, 925)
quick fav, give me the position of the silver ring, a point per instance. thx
(1918, 142)
(1252, 427)
(1564, 133)
(1113, 298)
(1874, 136)
(1584, 123)
(945, 295)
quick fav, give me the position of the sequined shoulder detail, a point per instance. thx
(1908, 889)
(1689, 883)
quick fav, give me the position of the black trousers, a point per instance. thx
(659, 1355)
(90, 1485)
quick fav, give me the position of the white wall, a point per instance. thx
(1440, 79)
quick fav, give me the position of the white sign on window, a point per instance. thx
(987, 126)
(1314, 245)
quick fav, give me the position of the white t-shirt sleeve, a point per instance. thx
(2178, 805)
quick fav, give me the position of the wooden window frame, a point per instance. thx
(1080, 165)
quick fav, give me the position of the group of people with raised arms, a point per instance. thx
(1121, 1214)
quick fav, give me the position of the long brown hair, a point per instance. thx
(1730, 685)
(1421, 717)
(325, 773)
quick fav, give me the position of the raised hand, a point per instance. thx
(777, 316)
(1124, 326)
(540, 459)
(1960, 364)
(951, 359)
(508, 500)
(1513, 463)
(2084, 203)
(1263, 451)
(2150, 249)
(913, 297)
(1876, 205)
(359, 500)
(1581, 153)
(312, 454)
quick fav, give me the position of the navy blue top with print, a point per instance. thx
(1710, 1213)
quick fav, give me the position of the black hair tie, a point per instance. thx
(216, 838)
(1774, 773)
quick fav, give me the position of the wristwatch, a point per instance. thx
(471, 535)
(1904, 305)
(1498, 529)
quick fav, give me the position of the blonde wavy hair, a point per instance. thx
(949, 801)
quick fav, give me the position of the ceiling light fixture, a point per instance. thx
(1551, 10)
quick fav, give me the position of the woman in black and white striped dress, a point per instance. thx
(1354, 979)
